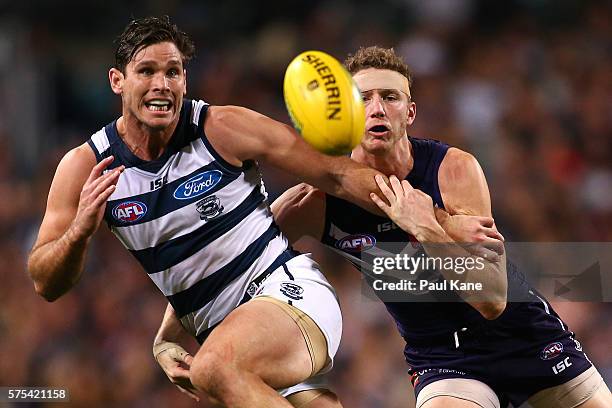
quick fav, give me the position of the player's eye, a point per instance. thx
(145, 71)
(172, 73)
(391, 98)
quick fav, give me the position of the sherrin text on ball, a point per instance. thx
(324, 103)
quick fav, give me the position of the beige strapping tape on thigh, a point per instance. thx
(570, 394)
(302, 398)
(313, 336)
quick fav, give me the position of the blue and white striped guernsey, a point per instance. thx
(199, 226)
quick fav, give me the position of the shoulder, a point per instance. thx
(463, 185)
(459, 168)
(231, 118)
(240, 134)
(72, 173)
(458, 164)
(80, 158)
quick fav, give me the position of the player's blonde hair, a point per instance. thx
(379, 58)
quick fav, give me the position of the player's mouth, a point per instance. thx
(158, 105)
(378, 131)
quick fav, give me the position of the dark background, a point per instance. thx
(526, 86)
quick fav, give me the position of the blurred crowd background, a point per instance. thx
(525, 85)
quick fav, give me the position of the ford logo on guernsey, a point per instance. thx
(551, 351)
(129, 211)
(197, 185)
(356, 243)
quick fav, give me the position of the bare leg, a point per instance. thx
(257, 349)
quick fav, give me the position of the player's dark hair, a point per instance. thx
(379, 58)
(140, 33)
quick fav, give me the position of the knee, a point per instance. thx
(212, 373)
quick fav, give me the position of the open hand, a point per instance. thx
(92, 202)
(411, 209)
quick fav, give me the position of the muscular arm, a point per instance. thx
(465, 192)
(74, 211)
(240, 134)
(300, 212)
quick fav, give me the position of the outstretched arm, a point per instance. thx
(240, 134)
(300, 212)
(75, 208)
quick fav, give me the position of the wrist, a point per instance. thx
(75, 236)
(433, 234)
(441, 216)
(162, 346)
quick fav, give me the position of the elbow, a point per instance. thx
(46, 292)
(47, 289)
(492, 310)
(44, 286)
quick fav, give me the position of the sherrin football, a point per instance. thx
(324, 103)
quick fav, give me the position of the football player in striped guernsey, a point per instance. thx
(177, 182)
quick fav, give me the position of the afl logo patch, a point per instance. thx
(129, 211)
(292, 291)
(551, 351)
(356, 243)
(198, 185)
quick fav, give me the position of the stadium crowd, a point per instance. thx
(525, 86)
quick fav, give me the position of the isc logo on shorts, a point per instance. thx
(129, 211)
(356, 243)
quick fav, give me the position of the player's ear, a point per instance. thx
(411, 113)
(116, 80)
(184, 82)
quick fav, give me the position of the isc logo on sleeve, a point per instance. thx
(129, 211)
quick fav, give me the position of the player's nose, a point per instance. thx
(160, 83)
(375, 107)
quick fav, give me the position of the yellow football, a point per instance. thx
(324, 103)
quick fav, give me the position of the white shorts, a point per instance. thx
(318, 382)
(300, 283)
